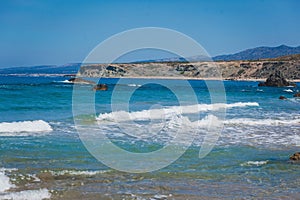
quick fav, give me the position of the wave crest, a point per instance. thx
(169, 111)
(25, 126)
(262, 122)
(28, 194)
(255, 163)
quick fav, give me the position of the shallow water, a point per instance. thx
(42, 156)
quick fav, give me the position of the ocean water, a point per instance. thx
(42, 155)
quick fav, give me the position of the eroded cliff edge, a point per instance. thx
(289, 66)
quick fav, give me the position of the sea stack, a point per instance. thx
(297, 94)
(282, 98)
(276, 80)
(81, 81)
(295, 156)
(102, 87)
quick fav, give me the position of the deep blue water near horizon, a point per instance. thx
(40, 149)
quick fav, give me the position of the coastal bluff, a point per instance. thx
(289, 66)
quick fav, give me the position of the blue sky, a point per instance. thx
(35, 32)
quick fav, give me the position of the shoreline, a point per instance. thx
(148, 77)
(187, 78)
(176, 78)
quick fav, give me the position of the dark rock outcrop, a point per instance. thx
(100, 87)
(297, 94)
(81, 81)
(282, 98)
(183, 68)
(295, 157)
(276, 80)
(115, 70)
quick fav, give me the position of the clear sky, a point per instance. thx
(37, 32)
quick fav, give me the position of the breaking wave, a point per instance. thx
(255, 163)
(77, 172)
(65, 81)
(134, 85)
(28, 194)
(5, 183)
(24, 127)
(169, 111)
(262, 122)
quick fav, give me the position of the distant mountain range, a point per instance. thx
(260, 53)
(71, 68)
(248, 54)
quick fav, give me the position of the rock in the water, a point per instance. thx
(80, 81)
(282, 98)
(276, 80)
(297, 94)
(295, 156)
(100, 87)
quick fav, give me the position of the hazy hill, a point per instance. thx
(248, 54)
(260, 53)
(44, 69)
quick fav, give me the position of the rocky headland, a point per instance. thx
(289, 67)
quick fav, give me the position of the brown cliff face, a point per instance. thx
(262, 69)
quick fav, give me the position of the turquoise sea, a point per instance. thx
(42, 155)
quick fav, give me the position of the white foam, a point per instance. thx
(288, 90)
(28, 195)
(256, 163)
(5, 183)
(76, 173)
(29, 177)
(160, 197)
(25, 126)
(65, 81)
(268, 122)
(134, 85)
(281, 128)
(296, 139)
(169, 111)
(243, 90)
